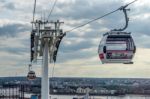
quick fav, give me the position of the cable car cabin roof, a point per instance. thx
(117, 33)
(119, 38)
(31, 72)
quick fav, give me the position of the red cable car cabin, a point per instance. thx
(31, 75)
(117, 47)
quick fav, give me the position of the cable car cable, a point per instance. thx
(92, 21)
(100, 17)
(34, 12)
(52, 9)
(53, 70)
(32, 34)
(130, 3)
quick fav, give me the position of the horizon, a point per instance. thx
(73, 77)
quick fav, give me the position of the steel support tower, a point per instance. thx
(45, 40)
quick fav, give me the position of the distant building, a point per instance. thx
(81, 90)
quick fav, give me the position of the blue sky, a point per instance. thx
(78, 55)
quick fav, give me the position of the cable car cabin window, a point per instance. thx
(120, 39)
(116, 46)
(119, 47)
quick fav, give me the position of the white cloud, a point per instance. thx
(78, 52)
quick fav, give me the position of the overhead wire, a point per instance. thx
(53, 70)
(100, 17)
(131, 3)
(50, 13)
(91, 21)
(34, 12)
(52, 9)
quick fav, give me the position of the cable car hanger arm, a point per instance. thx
(123, 8)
